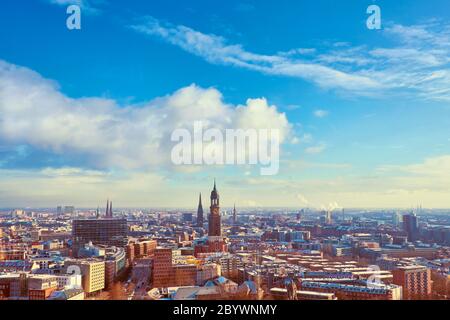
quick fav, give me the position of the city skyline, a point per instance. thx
(129, 255)
(363, 114)
(221, 159)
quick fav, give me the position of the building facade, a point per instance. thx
(415, 280)
(108, 232)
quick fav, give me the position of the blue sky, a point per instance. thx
(368, 111)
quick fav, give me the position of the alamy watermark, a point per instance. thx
(374, 20)
(73, 22)
(212, 146)
(374, 281)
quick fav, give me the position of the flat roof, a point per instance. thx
(302, 292)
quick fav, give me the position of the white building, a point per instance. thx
(69, 281)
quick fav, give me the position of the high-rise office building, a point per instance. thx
(415, 280)
(167, 274)
(69, 210)
(397, 219)
(109, 232)
(162, 268)
(410, 226)
(200, 212)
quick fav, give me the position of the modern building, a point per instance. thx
(415, 280)
(69, 281)
(162, 268)
(144, 248)
(92, 272)
(410, 226)
(69, 210)
(397, 219)
(115, 264)
(229, 265)
(207, 272)
(40, 287)
(354, 291)
(282, 294)
(184, 275)
(108, 232)
(13, 285)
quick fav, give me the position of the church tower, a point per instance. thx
(109, 212)
(107, 209)
(215, 242)
(214, 219)
(200, 212)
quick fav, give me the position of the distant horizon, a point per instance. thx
(228, 208)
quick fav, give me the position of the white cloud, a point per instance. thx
(302, 199)
(346, 56)
(316, 149)
(34, 112)
(86, 188)
(321, 113)
(395, 186)
(417, 62)
(304, 138)
(215, 49)
(298, 51)
(433, 33)
(437, 167)
(398, 55)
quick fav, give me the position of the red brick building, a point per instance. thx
(415, 280)
(162, 268)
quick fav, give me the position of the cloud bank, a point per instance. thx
(34, 112)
